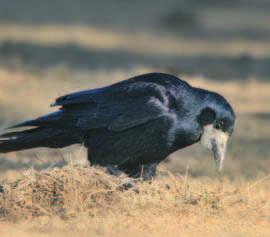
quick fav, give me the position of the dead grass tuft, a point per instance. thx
(86, 200)
(61, 192)
(70, 191)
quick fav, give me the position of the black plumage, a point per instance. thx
(132, 124)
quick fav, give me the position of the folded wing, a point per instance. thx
(116, 108)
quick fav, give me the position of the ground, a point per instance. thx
(188, 197)
(46, 52)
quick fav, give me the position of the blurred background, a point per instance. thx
(49, 48)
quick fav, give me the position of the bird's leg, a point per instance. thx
(111, 169)
(127, 184)
(143, 172)
(148, 172)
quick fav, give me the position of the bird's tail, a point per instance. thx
(35, 137)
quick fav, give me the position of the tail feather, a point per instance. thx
(43, 121)
(35, 137)
(28, 123)
(10, 135)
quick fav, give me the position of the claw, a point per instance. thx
(130, 184)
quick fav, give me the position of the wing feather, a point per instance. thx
(122, 115)
(117, 107)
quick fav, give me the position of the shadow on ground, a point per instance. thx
(76, 57)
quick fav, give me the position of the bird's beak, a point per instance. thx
(219, 151)
(215, 140)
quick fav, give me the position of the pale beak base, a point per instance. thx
(216, 141)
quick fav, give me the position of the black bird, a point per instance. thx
(133, 125)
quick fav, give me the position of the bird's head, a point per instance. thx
(217, 120)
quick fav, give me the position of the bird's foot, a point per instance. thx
(129, 184)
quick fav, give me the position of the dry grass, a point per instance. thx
(64, 192)
(64, 201)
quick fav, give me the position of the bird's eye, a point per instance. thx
(218, 124)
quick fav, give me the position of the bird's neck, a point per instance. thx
(186, 136)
